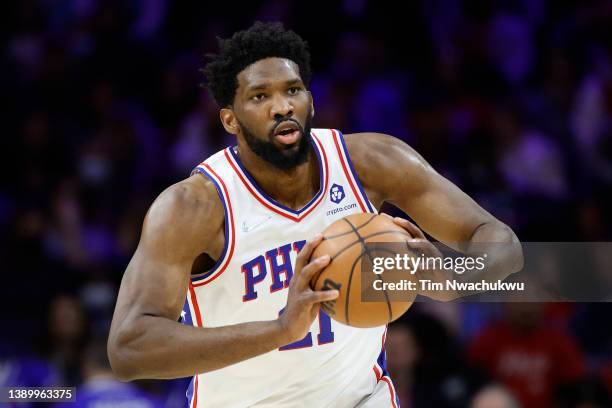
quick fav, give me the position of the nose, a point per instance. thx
(281, 107)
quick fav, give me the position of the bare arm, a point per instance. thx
(437, 205)
(146, 340)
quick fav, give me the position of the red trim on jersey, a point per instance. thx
(384, 337)
(391, 390)
(196, 309)
(347, 173)
(232, 230)
(273, 207)
(194, 400)
(324, 156)
(246, 184)
(194, 303)
(376, 373)
(380, 377)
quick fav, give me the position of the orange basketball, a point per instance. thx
(345, 242)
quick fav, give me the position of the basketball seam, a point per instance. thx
(315, 278)
(367, 237)
(348, 288)
(366, 250)
(348, 232)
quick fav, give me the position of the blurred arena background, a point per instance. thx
(511, 100)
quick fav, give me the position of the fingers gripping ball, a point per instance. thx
(345, 242)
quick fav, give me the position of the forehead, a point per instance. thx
(267, 72)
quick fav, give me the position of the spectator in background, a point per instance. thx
(590, 117)
(402, 354)
(494, 396)
(527, 356)
(67, 332)
(541, 172)
(511, 47)
(100, 387)
(606, 374)
(590, 393)
(18, 370)
(427, 364)
(532, 167)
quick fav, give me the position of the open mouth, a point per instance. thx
(288, 136)
(287, 133)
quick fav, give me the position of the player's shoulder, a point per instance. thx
(377, 154)
(191, 204)
(370, 150)
(374, 144)
(365, 146)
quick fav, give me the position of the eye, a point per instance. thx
(294, 90)
(258, 97)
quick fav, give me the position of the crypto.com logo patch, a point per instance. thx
(336, 193)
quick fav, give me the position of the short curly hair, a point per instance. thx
(260, 41)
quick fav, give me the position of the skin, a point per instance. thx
(494, 396)
(186, 221)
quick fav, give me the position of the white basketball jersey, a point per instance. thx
(334, 365)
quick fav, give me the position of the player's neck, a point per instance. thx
(293, 188)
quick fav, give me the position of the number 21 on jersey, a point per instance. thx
(325, 336)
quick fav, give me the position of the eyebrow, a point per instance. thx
(259, 87)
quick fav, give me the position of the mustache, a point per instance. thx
(279, 121)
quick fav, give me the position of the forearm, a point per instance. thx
(159, 348)
(504, 254)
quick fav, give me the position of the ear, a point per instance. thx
(228, 119)
(312, 110)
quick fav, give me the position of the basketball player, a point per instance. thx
(227, 251)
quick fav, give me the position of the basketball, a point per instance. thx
(345, 242)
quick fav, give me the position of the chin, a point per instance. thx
(289, 151)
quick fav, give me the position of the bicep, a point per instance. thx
(175, 231)
(154, 284)
(440, 207)
(397, 173)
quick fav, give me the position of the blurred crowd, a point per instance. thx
(511, 100)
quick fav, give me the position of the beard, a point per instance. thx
(281, 158)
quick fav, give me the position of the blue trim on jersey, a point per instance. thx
(187, 319)
(350, 163)
(382, 363)
(273, 201)
(226, 227)
(189, 392)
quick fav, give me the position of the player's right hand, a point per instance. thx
(302, 302)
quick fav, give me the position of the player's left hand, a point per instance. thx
(421, 245)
